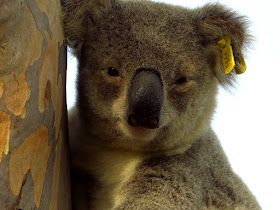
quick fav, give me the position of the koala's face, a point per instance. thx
(147, 78)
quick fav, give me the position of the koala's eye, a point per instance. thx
(113, 72)
(181, 81)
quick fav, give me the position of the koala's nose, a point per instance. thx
(145, 99)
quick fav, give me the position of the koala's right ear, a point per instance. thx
(78, 14)
(215, 22)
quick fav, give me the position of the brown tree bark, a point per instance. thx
(34, 158)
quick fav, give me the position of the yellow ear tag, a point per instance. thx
(227, 54)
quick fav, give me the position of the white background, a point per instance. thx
(247, 121)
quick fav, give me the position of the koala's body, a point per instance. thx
(141, 134)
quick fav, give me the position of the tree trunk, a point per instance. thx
(34, 157)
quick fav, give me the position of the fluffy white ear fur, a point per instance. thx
(215, 22)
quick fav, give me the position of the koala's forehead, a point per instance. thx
(146, 26)
(150, 33)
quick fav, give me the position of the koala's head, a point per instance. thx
(149, 72)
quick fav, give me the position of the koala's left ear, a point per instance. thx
(215, 22)
(78, 17)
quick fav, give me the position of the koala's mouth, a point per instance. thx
(149, 123)
(138, 132)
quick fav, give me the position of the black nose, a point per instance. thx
(145, 99)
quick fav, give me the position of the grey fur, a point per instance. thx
(179, 165)
(183, 182)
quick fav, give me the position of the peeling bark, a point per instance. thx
(5, 122)
(34, 158)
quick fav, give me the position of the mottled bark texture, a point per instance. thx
(34, 159)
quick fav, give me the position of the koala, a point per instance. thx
(140, 134)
